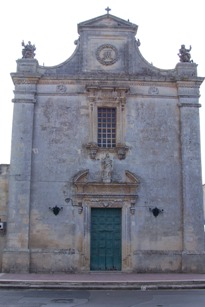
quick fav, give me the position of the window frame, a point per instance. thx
(107, 97)
(107, 127)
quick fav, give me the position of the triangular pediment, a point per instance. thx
(107, 21)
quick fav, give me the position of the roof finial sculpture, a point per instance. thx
(108, 9)
(28, 50)
(184, 54)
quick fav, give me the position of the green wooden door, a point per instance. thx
(105, 239)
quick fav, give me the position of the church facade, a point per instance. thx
(105, 171)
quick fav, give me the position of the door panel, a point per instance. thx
(105, 239)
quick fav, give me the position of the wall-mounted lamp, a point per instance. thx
(56, 209)
(156, 211)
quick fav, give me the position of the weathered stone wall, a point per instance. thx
(61, 129)
(204, 199)
(57, 165)
(4, 175)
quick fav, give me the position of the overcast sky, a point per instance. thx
(52, 26)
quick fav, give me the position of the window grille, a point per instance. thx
(107, 127)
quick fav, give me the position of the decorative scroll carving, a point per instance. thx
(61, 88)
(121, 150)
(22, 81)
(153, 90)
(28, 51)
(80, 208)
(138, 42)
(93, 149)
(107, 54)
(132, 208)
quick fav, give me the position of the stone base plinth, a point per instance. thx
(16, 261)
(168, 261)
(67, 261)
(54, 261)
(157, 261)
(193, 262)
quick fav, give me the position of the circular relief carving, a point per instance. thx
(107, 54)
(61, 88)
(153, 90)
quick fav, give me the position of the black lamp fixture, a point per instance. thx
(156, 211)
(56, 209)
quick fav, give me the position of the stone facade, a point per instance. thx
(4, 182)
(59, 171)
(204, 199)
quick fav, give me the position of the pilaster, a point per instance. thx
(16, 255)
(188, 94)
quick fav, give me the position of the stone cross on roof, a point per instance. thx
(108, 9)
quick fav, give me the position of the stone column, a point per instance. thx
(16, 256)
(192, 197)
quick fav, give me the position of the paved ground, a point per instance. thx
(101, 298)
(107, 280)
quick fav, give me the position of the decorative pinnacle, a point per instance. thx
(108, 9)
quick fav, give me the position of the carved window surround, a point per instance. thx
(107, 96)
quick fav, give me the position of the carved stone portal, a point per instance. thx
(101, 194)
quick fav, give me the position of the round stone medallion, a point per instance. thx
(107, 54)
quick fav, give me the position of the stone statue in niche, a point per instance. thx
(184, 54)
(28, 51)
(106, 169)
